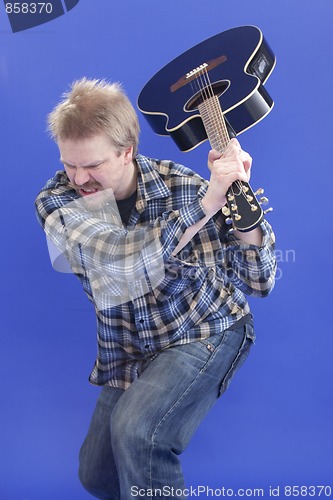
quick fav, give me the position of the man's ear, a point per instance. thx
(128, 155)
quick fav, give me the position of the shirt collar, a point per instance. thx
(150, 183)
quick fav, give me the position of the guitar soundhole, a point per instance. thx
(217, 88)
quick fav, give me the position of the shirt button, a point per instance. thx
(141, 321)
(147, 346)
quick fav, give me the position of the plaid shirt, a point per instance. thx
(200, 290)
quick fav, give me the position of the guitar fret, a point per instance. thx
(212, 117)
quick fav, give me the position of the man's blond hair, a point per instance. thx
(92, 107)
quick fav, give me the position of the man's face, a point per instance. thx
(94, 165)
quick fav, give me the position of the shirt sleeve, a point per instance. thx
(252, 268)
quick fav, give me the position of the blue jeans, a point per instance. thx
(136, 436)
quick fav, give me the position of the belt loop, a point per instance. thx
(249, 332)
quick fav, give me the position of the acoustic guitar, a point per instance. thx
(215, 91)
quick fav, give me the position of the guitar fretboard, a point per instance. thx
(212, 118)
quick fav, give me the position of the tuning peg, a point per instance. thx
(245, 188)
(259, 191)
(225, 211)
(230, 197)
(263, 200)
(237, 217)
(233, 207)
(254, 208)
(270, 209)
(249, 197)
(228, 221)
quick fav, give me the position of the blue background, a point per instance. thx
(273, 427)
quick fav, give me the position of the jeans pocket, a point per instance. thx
(248, 338)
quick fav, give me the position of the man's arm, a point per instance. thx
(233, 165)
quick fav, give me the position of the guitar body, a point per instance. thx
(243, 62)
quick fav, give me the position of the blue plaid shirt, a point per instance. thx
(203, 287)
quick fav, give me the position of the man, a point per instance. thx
(148, 240)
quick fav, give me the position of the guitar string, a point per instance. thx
(220, 122)
(220, 130)
(206, 92)
(224, 132)
(214, 112)
(216, 121)
(217, 126)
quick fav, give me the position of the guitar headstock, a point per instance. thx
(243, 210)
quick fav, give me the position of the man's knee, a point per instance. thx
(129, 433)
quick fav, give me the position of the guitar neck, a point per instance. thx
(214, 123)
(243, 209)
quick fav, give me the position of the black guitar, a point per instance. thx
(185, 100)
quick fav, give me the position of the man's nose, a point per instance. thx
(81, 176)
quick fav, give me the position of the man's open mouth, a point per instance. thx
(87, 192)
